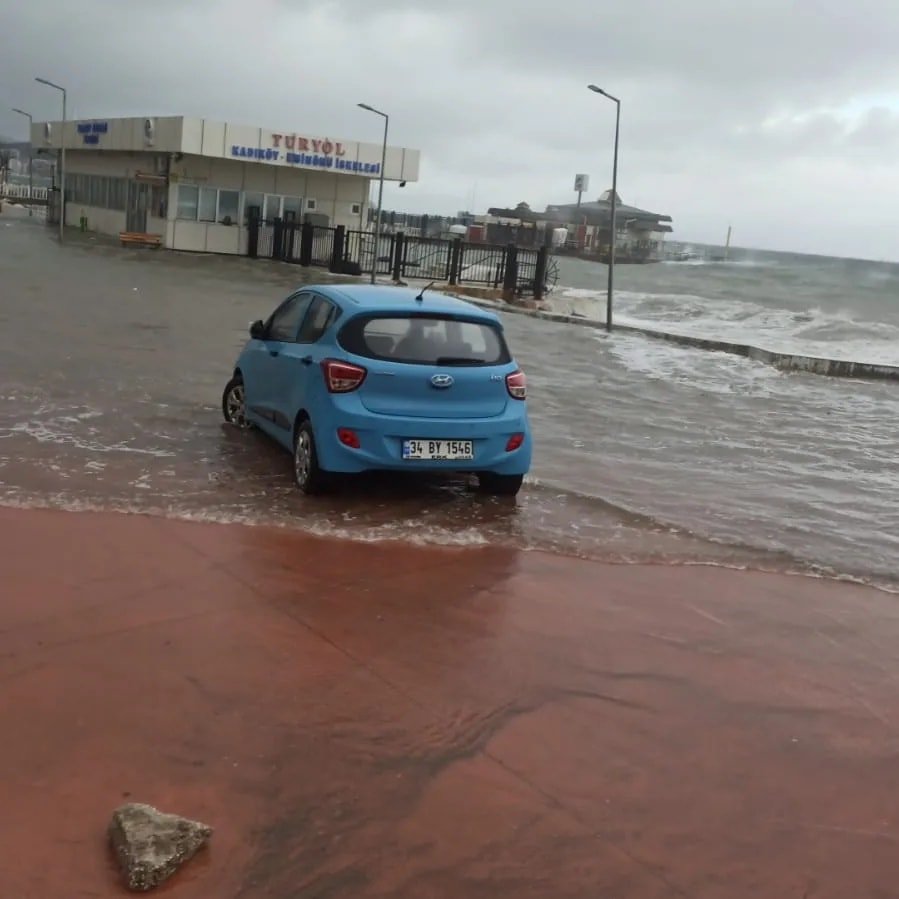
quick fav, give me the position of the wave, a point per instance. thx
(810, 331)
(733, 556)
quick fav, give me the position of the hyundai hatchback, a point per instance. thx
(356, 378)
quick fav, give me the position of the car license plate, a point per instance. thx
(435, 450)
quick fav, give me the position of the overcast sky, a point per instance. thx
(779, 117)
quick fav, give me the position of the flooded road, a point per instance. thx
(114, 361)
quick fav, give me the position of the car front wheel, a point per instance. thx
(310, 477)
(234, 403)
(500, 484)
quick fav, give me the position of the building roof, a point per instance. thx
(600, 213)
(225, 140)
(597, 212)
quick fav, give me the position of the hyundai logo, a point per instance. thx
(441, 382)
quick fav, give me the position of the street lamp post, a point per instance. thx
(614, 235)
(62, 157)
(30, 160)
(374, 262)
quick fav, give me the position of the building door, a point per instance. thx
(138, 201)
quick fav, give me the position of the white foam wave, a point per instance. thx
(54, 430)
(813, 331)
(408, 531)
(706, 372)
(427, 537)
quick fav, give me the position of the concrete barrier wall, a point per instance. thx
(784, 361)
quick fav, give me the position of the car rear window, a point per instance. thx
(425, 340)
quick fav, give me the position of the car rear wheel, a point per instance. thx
(500, 484)
(234, 403)
(309, 475)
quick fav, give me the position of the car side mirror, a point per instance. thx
(257, 330)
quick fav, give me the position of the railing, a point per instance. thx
(483, 264)
(516, 270)
(360, 248)
(425, 257)
(20, 192)
(265, 233)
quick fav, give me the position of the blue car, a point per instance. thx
(354, 378)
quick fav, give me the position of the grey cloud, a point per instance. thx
(728, 111)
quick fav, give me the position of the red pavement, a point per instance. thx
(372, 720)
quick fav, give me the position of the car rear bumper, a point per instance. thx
(381, 438)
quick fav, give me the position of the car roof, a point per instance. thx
(365, 298)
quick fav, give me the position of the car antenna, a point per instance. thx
(421, 296)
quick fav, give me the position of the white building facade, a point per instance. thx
(196, 183)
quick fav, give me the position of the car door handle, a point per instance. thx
(306, 360)
(273, 352)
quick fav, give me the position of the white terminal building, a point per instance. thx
(196, 183)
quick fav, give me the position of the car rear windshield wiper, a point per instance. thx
(459, 360)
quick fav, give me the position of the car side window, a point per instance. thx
(285, 322)
(320, 315)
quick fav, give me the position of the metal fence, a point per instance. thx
(518, 270)
(483, 264)
(12, 191)
(361, 247)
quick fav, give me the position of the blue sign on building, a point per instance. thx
(91, 131)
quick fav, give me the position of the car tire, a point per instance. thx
(500, 484)
(234, 404)
(308, 474)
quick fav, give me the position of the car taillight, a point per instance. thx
(342, 377)
(517, 385)
(348, 437)
(514, 443)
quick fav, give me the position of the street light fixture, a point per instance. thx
(614, 234)
(62, 157)
(30, 157)
(374, 262)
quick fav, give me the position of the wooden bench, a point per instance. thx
(137, 239)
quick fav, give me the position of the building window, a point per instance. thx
(229, 205)
(272, 207)
(98, 197)
(310, 205)
(159, 200)
(252, 206)
(206, 210)
(356, 209)
(118, 193)
(73, 188)
(188, 201)
(293, 206)
(97, 191)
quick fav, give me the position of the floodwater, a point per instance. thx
(113, 363)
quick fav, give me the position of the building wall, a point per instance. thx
(119, 134)
(218, 139)
(215, 166)
(334, 196)
(116, 165)
(223, 140)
